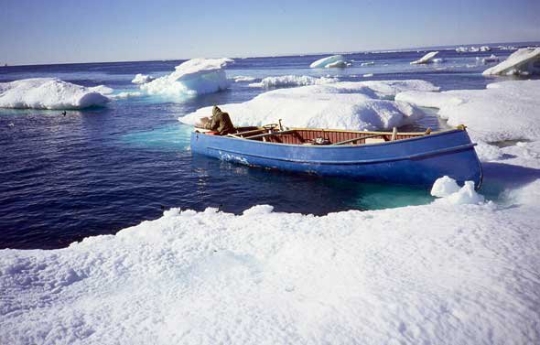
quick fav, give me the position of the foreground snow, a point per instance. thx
(191, 78)
(50, 93)
(346, 105)
(440, 273)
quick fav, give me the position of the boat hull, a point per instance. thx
(415, 161)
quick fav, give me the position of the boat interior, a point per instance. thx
(307, 136)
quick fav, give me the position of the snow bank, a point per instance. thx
(345, 105)
(292, 81)
(440, 273)
(329, 62)
(425, 59)
(50, 93)
(503, 111)
(191, 78)
(524, 61)
(142, 79)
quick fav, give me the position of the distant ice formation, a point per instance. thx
(191, 78)
(425, 59)
(473, 49)
(525, 61)
(330, 62)
(142, 79)
(345, 105)
(51, 93)
(292, 81)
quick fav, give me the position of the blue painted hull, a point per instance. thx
(415, 161)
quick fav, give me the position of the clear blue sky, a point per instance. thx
(59, 31)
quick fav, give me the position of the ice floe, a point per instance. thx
(191, 78)
(503, 111)
(428, 58)
(292, 81)
(51, 93)
(346, 105)
(524, 61)
(330, 62)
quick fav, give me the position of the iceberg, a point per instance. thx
(191, 78)
(425, 59)
(330, 62)
(51, 93)
(524, 61)
(343, 105)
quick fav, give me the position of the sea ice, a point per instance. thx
(346, 105)
(524, 61)
(428, 58)
(191, 78)
(51, 93)
(329, 62)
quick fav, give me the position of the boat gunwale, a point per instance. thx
(418, 136)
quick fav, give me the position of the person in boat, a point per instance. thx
(220, 123)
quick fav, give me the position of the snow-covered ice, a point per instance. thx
(460, 270)
(524, 61)
(330, 62)
(503, 111)
(191, 78)
(51, 93)
(428, 58)
(345, 105)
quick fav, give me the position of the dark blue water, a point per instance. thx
(97, 171)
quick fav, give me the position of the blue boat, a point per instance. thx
(388, 157)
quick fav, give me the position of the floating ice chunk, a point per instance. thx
(447, 188)
(425, 59)
(504, 111)
(344, 105)
(142, 79)
(330, 61)
(367, 63)
(193, 77)
(525, 61)
(444, 186)
(240, 79)
(50, 93)
(292, 81)
(487, 60)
